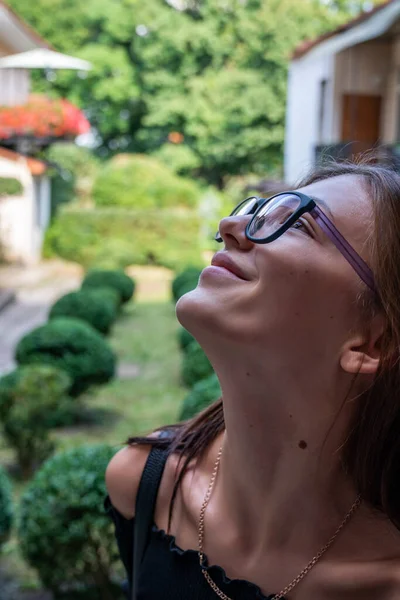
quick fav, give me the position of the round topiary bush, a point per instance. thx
(195, 365)
(184, 338)
(117, 280)
(185, 281)
(202, 394)
(64, 532)
(72, 345)
(108, 294)
(30, 397)
(142, 181)
(87, 305)
(6, 507)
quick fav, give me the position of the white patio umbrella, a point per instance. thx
(42, 58)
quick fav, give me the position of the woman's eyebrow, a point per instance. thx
(324, 205)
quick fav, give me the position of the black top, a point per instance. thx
(170, 573)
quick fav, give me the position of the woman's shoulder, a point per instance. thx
(124, 472)
(123, 476)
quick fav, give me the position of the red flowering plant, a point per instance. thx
(42, 117)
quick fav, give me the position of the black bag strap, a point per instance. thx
(145, 503)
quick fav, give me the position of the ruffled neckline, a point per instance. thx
(193, 554)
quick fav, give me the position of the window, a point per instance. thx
(322, 108)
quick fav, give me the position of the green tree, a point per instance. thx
(212, 71)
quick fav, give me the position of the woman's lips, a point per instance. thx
(222, 260)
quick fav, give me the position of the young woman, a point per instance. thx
(288, 487)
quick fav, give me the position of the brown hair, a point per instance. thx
(371, 453)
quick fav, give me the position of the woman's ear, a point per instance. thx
(362, 352)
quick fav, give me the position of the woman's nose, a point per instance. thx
(232, 232)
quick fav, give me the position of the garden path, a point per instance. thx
(36, 288)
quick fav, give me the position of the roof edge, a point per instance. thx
(307, 45)
(28, 29)
(35, 166)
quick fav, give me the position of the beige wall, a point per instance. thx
(14, 86)
(362, 69)
(14, 83)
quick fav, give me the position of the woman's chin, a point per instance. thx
(193, 307)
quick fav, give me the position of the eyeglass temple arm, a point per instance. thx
(355, 260)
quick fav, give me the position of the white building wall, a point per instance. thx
(42, 210)
(17, 215)
(302, 114)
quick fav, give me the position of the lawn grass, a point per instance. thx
(144, 335)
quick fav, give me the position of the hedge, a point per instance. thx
(9, 186)
(92, 308)
(203, 393)
(75, 174)
(195, 365)
(72, 345)
(117, 238)
(139, 181)
(64, 531)
(29, 398)
(184, 338)
(6, 507)
(185, 281)
(117, 280)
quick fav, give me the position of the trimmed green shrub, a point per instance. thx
(195, 365)
(71, 345)
(6, 507)
(109, 295)
(64, 532)
(117, 238)
(76, 170)
(139, 181)
(185, 281)
(28, 396)
(203, 393)
(9, 186)
(184, 338)
(118, 280)
(88, 306)
(179, 157)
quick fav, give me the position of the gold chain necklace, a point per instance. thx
(299, 577)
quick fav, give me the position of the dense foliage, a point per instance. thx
(203, 393)
(205, 83)
(6, 507)
(72, 345)
(195, 365)
(88, 306)
(185, 281)
(138, 181)
(118, 280)
(117, 238)
(28, 397)
(64, 532)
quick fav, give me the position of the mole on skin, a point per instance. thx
(302, 444)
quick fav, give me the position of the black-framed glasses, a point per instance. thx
(271, 217)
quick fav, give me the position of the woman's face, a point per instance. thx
(297, 294)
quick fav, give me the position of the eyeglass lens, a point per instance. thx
(273, 215)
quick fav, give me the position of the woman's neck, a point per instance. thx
(281, 482)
